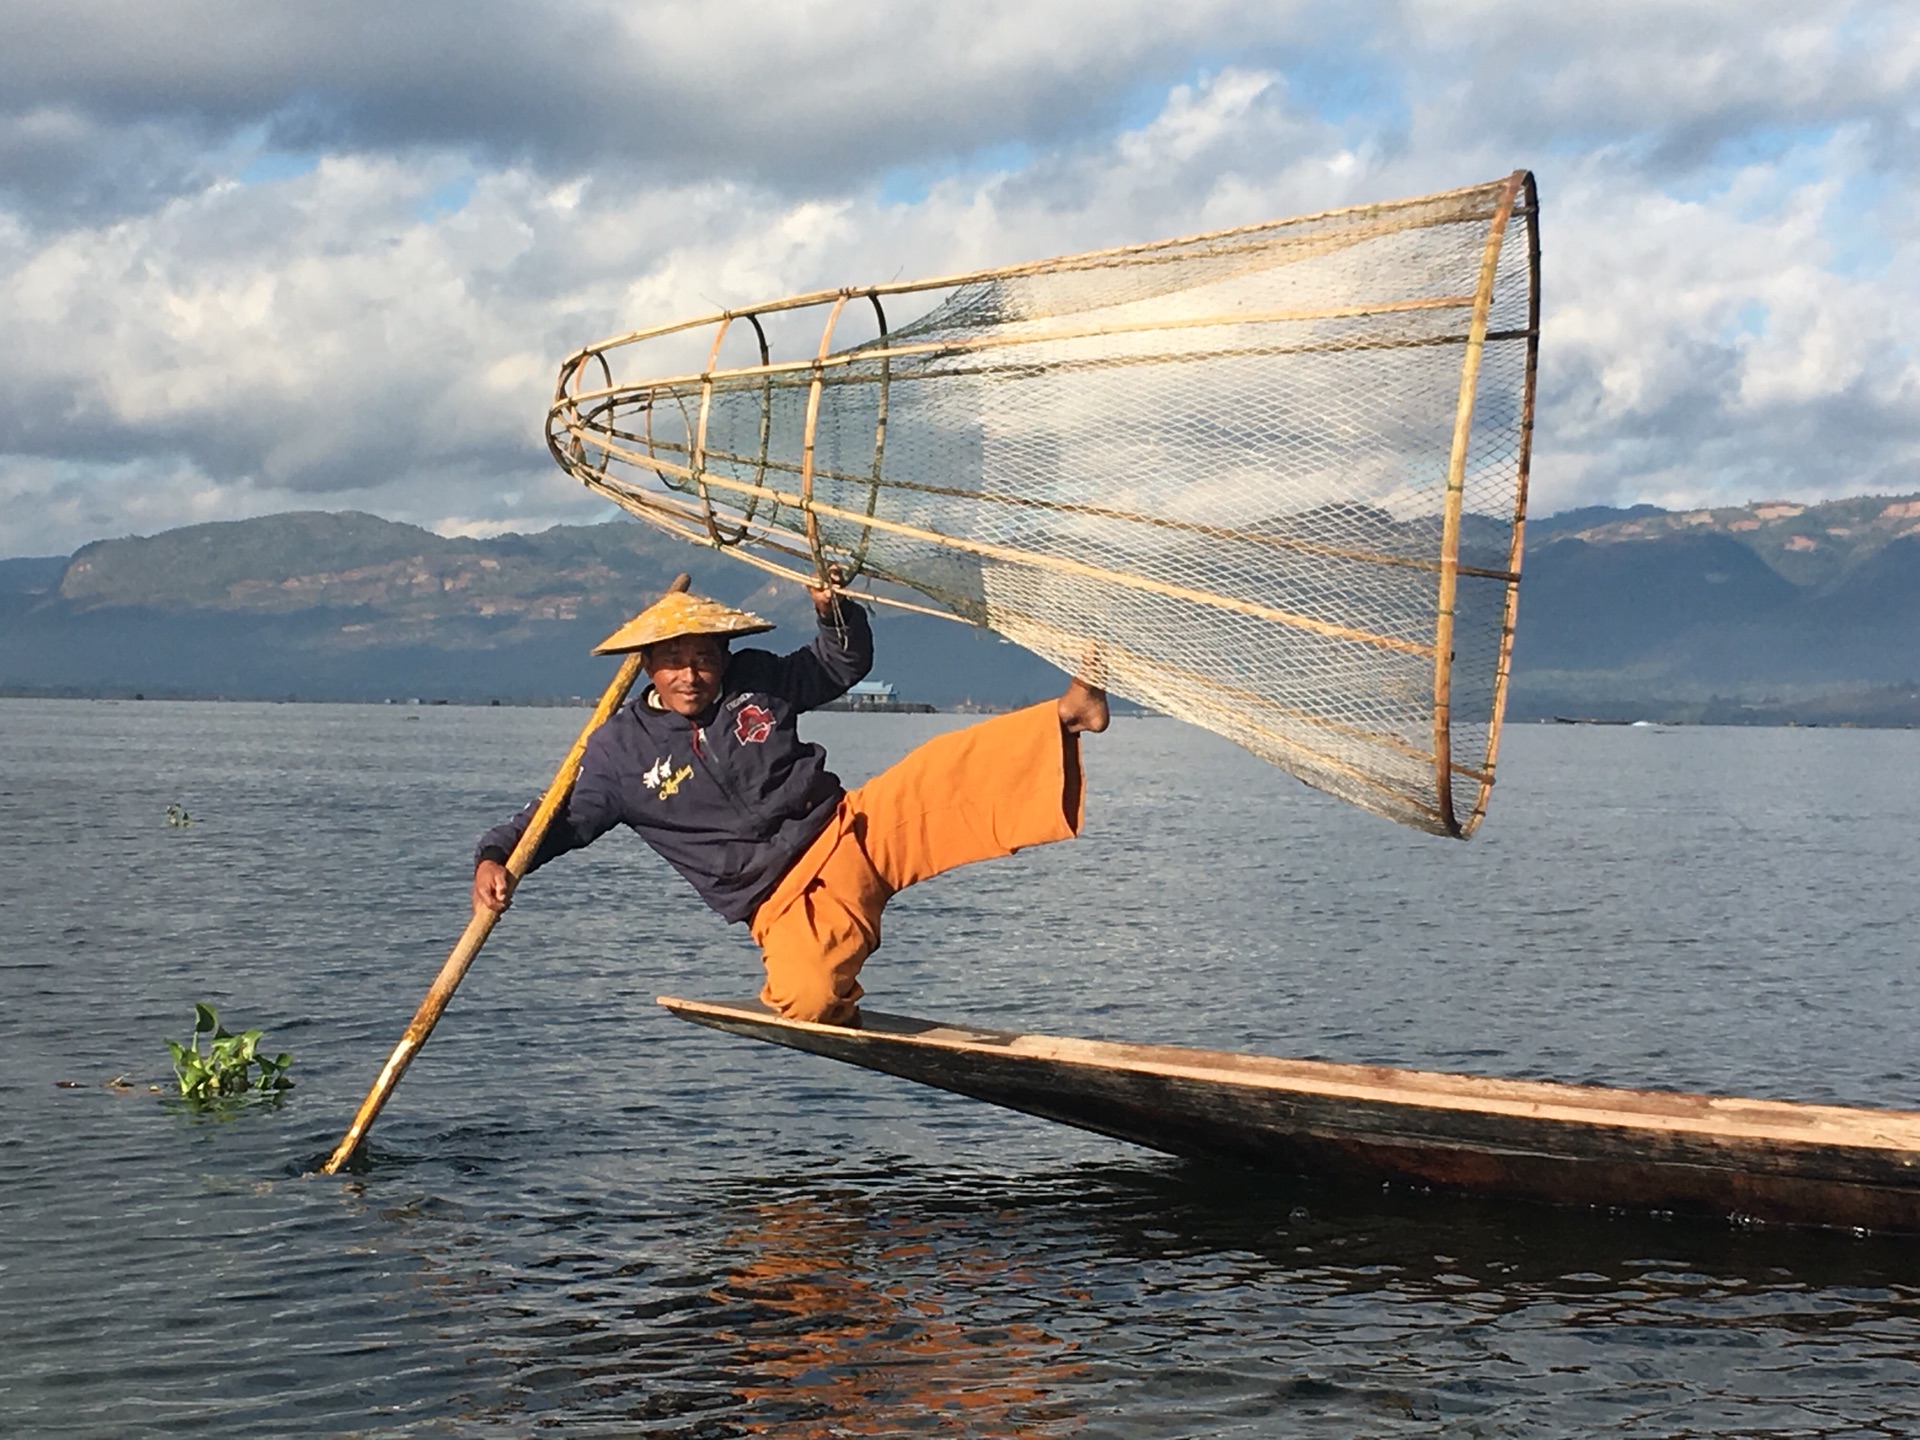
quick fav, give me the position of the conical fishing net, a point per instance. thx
(1269, 480)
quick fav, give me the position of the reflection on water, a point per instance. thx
(581, 1217)
(1170, 1300)
(836, 1339)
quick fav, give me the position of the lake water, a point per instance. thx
(583, 1217)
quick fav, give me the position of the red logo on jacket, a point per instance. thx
(752, 724)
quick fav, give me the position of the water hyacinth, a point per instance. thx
(231, 1068)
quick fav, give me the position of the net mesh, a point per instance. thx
(1269, 480)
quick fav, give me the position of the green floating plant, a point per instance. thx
(230, 1068)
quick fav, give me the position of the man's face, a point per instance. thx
(686, 671)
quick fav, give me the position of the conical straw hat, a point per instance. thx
(680, 613)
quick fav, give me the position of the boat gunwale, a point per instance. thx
(1673, 1112)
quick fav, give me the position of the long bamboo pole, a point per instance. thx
(1529, 209)
(1456, 499)
(1466, 204)
(483, 921)
(798, 372)
(1040, 560)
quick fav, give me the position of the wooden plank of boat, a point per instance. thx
(1771, 1160)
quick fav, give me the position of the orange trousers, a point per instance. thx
(968, 795)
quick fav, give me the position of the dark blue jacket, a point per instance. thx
(730, 797)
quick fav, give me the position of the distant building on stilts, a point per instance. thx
(878, 697)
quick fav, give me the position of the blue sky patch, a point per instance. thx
(272, 165)
(911, 184)
(448, 199)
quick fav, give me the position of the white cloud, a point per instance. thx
(438, 204)
(1707, 349)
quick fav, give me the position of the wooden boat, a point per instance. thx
(1766, 1160)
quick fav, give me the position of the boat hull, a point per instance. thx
(1774, 1161)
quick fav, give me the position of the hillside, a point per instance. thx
(1765, 612)
(1813, 546)
(353, 607)
(1769, 611)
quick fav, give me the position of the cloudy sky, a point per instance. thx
(262, 257)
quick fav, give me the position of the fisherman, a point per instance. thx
(707, 765)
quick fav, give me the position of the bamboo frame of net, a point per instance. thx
(1002, 454)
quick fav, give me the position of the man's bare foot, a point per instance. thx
(1084, 707)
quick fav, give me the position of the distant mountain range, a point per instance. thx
(1764, 612)
(352, 607)
(1769, 612)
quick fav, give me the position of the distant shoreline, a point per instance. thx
(1713, 716)
(552, 702)
(1772, 614)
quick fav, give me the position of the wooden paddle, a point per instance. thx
(482, 923)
